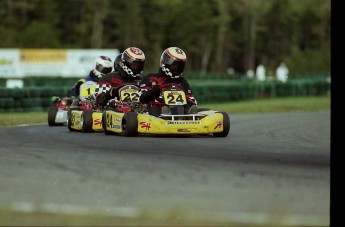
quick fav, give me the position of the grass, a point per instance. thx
(295, 104)
(37, 218)
(9, 119)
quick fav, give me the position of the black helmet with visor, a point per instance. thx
(173, 61)
(132, 61)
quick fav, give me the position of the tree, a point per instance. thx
(216, 34)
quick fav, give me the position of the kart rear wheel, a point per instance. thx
(52, 111)
(130, 124)
(226, 126)
(87, 121)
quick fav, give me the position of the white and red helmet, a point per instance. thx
(173, 61)
(132, 61)
(103, 66)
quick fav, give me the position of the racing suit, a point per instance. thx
(149, 89)
(76, 88)
(108, 86)
(75, 91)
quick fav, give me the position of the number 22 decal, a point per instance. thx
(132, 96)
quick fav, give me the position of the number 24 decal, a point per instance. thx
(175, 98)
(172, 99)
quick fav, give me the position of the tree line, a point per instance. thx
(215, 34)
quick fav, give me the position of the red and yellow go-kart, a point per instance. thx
(86, 118)
(175, 123)
(132, 123)
(89, 118)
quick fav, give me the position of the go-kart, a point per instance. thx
(177, 122)
(116, 109)
(57, 112)
(87, 117)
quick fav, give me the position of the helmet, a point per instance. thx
(132, 61)
(117, 61)
(172, 62)
(103, 66)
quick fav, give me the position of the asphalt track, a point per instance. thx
(271, 168)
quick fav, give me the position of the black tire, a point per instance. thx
(68, 113)
(226, 126)
(104, 124)
(87, 121)
(52, 110)
(130, 124)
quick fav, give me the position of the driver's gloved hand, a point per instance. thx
(192, 101)
(156, 90)
(80, 82)
(55, 99)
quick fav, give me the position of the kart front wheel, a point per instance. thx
(87, 121)
(226, 126)
(130, 124)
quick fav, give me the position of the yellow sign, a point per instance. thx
(175, 97)
(87, 89)
(129, 93)
(43, 55)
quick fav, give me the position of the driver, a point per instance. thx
(171, 67)
(130, 66)
(116, 62)
(103, 65)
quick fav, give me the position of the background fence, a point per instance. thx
(37, 91)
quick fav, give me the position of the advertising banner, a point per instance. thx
(9, 63)
(80, 62)
(19, 63)
(42, 62)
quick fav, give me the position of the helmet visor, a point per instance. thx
(177, 67)
(136, 66)
(102, 69)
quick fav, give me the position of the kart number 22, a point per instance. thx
(129, 94)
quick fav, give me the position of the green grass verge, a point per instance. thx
(10, 119)
(295, 104)
(15, 218)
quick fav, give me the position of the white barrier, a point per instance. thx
(14, 83)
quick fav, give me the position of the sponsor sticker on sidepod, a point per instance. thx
(183, 122)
